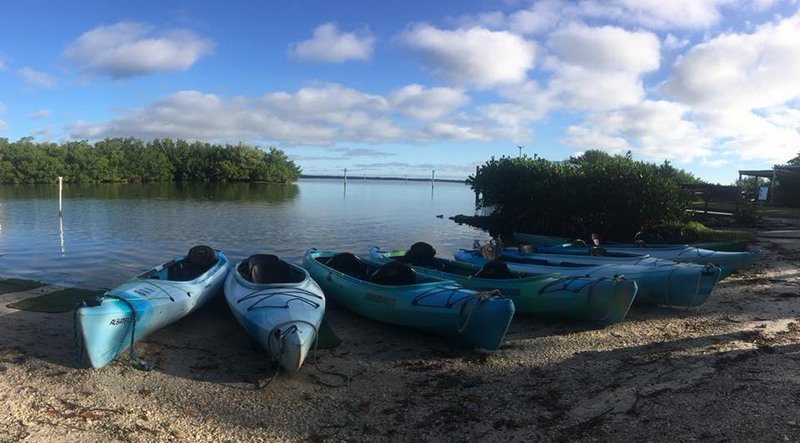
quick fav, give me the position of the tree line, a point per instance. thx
(133, 160)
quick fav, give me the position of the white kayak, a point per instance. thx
(158, 297)
(278, 304)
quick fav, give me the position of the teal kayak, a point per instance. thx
(676, 284)
(278, 304)
(149, 301)
(729, 262)
(547, 240)
(394, 293)
(599, 300)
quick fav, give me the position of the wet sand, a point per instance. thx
(729, 369)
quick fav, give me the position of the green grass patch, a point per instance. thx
(702, 233)
(327, 338)
(18, 285)
(55, 302)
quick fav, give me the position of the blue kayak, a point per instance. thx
(677, 284)
(150, 301)
(278, 304)
(598, 300)
(728, 262)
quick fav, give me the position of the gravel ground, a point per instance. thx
(727, 370)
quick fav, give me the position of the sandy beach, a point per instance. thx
(729, 369)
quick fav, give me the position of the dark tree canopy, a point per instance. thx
(595, 192)
(132, 160)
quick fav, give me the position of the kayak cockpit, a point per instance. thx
(269, 269)
(197, 262)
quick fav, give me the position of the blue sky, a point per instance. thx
(400, 88)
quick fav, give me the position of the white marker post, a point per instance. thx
(60, 188)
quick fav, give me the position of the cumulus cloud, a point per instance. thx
(654, 130)
(37, 79)
(741, 70)
(742, 88)
(656, 14)
(600, 67)
(475, 56)
(330, 45)
(419, 103)
(319, 115)
(540, 16)
(41, 113)
(128, 49)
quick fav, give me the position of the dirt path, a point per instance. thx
(729, 369)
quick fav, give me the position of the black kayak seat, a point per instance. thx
(197, 262)
(267, 268)
(420, 253)
(495, 269)
(394, 273)
(349, 264)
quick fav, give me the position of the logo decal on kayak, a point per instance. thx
(119, 321)
(382, 299)
(144, 291)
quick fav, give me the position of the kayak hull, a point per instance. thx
(678, 284)
(547, 295)
(107, 327)
(283, 318)
(439, 306)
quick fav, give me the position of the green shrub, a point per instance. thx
(610, 195)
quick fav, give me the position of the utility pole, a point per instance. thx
(520, 149)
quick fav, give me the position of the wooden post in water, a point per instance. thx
(433, 173)
(345, 176)
(60, 187)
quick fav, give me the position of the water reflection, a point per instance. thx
(61, 231)
(267, 192)
(118, 230)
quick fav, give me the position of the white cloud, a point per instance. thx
(475, 56)
(606, 48)
(658, 14)
(128, 49)
(772, 135)
(673, 43)
(41, 113)
(35, 78)
(654, 130)
(420, 103)
(743, 90)
(745, 71)
(330, 45)
(541, 16)
(600, 67)
(320, 115)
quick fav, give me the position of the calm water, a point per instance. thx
(110, 232)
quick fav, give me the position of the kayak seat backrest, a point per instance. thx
(394, 273)
(196, 263)
(268, 268)
(349, 264)
(420, 253)
(495, 269)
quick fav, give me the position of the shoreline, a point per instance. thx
(723, 370)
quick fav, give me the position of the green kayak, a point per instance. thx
(599, 300)
(547, 240)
